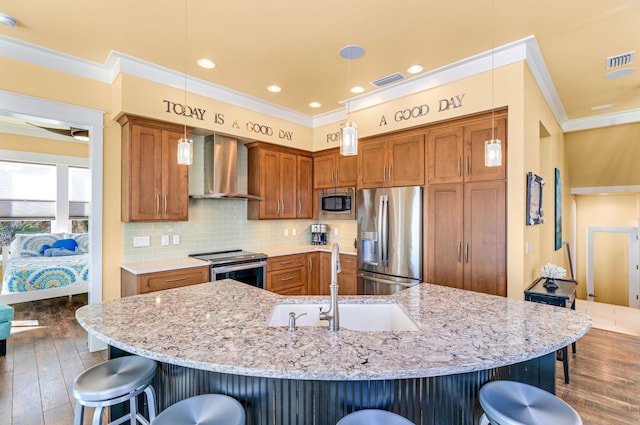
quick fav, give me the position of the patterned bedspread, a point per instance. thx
(22, 274)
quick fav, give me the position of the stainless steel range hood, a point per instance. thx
(221, 169)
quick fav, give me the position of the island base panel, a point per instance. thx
(450, 399)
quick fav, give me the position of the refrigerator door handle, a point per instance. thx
(383, 230)
(387, 281)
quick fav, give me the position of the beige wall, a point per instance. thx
(47, 146)
(604, 156)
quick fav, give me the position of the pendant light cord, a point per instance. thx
(493, 42)
(184, 108)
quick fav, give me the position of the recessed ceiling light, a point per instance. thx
(274, 89)
(600, 107)
(619, 73)
(414, 69)
(7, 20)
(206, 63)
(315, 104)
(357, 89)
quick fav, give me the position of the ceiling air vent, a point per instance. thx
(388, 79)
(620, 60)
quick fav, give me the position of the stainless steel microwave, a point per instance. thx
(338, 203)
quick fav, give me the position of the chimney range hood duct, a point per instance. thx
(221, 169)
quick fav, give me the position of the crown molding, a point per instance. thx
(526, 49)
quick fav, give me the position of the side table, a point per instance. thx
(563, 296)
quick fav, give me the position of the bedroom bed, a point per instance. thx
(37, 266)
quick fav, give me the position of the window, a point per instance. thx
(43, 198)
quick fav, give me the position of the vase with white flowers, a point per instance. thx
(551, 272)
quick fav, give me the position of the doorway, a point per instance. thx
(612, 266)
(27, 107)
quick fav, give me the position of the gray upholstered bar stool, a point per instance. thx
(113, 382)
(374, 417)
(205, 409)
(515, 403)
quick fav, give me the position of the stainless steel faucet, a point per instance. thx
(332, 315)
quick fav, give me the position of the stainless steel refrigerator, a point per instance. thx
(389, 239)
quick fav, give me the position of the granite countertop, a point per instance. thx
(302, 249)
(221, 327)
(154, 266)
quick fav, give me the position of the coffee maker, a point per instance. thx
(318, 234)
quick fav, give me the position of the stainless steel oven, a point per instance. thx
(243, 266)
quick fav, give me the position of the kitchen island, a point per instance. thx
(213, 337)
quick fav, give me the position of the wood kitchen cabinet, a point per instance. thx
(287, 274)
(314, 273)
(330, 169)
(392, 162)
(154, 186)
(283, 178)
(347, 278)
(466, 241)
(455, 151)
(134, 284)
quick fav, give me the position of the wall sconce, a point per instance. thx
(493, 152)
(349, 139)
(185, 151)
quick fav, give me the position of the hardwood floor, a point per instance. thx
(42, 361)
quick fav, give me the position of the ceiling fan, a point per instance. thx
(76, 133)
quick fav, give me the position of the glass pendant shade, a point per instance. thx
(493, 153)
(349, 140)
(185, 151)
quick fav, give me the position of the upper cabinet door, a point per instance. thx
(406, 161)
(475, 136)
(347, 170)
(289, 186)
(154, 186)
(444, 155)
(175, 179)
(324, 171)
(372, 164)
(305, 187)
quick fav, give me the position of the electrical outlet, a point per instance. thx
(139, 241)
(176, 239)
(286, 232)
(527, 247)
(293, 232)
(335, 231)
(165, 240)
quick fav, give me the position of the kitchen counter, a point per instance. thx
(213, 338)
(221, 327)
(155, 266)
(303, 249)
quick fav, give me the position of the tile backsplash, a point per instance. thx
(219, 224)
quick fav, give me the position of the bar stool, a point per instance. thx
(205, 409)
(113, 382)
(374, 417)
(515, 403)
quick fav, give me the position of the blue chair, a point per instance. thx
(6, 315)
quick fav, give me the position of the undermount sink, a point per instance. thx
(355, 317)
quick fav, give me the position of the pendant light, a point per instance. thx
(492, 147)
(349, 139)
(185, 144)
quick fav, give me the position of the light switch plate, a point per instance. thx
(176, 239)
(165, 240)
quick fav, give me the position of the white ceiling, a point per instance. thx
(296, 44)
